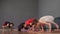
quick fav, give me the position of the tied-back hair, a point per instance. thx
(35, 21)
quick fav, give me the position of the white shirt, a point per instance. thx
(46, 19)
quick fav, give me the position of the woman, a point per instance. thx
(47, 20)
(31, 23)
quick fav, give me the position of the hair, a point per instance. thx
(35, 21)
(12, 24)
(7, 22)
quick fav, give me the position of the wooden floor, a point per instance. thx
(16, 32)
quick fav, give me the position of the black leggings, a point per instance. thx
(21, 26)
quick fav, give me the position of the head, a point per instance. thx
(11, 24)
(35, 21)
(7, 23)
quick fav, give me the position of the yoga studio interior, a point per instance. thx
(29, 16)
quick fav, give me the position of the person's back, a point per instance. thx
(47, 18)
(27, 22)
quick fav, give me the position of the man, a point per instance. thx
(47, 20)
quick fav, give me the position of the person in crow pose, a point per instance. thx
(30, 23)
(47, 20)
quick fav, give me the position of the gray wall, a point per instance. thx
(49, 7)
(17, 11)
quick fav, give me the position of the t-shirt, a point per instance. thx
(5, 23)
(46, 19)
(27, 22)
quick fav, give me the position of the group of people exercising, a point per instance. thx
(34, 25)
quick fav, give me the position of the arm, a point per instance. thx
(56, 25)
